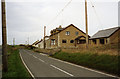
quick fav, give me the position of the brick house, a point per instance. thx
(107, 36)
(67, 37)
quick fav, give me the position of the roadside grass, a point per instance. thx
(15, 65)
(103, 62)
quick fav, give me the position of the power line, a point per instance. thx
(59, 12)
(96, 13)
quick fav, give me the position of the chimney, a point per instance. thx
(60, 26)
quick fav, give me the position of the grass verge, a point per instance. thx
(15, 65)
(104, 62)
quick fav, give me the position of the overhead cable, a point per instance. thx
(96, 13)
(60, 12)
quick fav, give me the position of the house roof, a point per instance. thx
(105, 33)
(66, 28)
(35, 42)
(81, 37)
(39, 42)
(59, 29)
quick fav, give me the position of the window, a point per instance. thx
(81, 41)
(67, 33)
(102, 41)
(64, 41)
(72, 41)
(76, 33)
(94, 41)
(52, 41)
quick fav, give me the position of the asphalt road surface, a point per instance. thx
(44, 66)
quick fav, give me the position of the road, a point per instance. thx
(44, 66)
(0, 62)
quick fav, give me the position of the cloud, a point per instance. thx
(28, 18)
(58, 0)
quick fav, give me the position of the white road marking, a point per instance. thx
(41, 60)
(62, 70)
(26, 66)
(38, 58)
(34, 56)
(85, 68)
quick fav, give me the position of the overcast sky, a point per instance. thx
(27, 18)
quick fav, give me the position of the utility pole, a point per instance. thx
(4, 39)
(13, 41)
(25, 42)
(44, 35)
(86, 20)
(28, 40)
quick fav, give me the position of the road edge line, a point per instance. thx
(97, 71)
(26, 66)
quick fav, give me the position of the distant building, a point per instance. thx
(40, 44)
(35, 44)
(107, 36)
(67, 37)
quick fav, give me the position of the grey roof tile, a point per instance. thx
(105, 33)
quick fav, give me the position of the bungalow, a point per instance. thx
(107, 36)
(40, 44)
(35, 44)
(67, 37)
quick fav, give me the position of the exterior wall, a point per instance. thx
(56, 41)
(115, 37)
(36, 45)
(33, 45)
(47, 44)
(41, 45)
(98, 41)
(68, 38)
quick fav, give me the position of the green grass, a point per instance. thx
(15, 65)
(107, 63)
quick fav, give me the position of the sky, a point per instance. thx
(27, 18)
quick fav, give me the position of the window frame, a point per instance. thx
(65, 41)
(94, 41)
(71, 41)
(52, 41)
(76, 33)
(67, 33)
